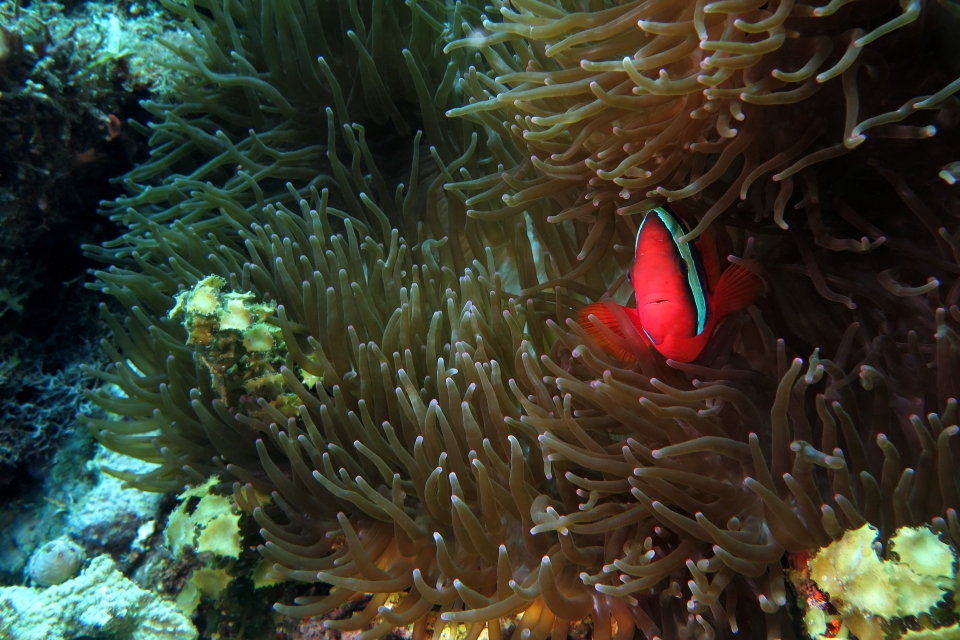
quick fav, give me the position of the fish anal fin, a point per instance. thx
(606, 317)
(737, 289)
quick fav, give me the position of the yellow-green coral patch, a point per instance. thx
(263, 575)
(924, 553)
(204, 298)
(203, 582)
(309, 380)
(868, 590)
(236, 345)
(188, 599)
(260, 338)
(211, 526)
(221, 535)
(210, 582)
(236, 315)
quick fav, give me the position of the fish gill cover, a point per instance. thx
(424, 195)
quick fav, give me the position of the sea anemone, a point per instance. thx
(616, 108)
(448, 454)
(272, 90)
(399, 396)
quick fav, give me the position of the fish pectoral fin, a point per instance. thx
(684, 349)
(606, 317)
(737, 289)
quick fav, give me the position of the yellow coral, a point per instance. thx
(309, 380)
(211, 582)
(204, 298)
(203, 582)
(946, 633)
(922, 551)
(237, 315)
(264, 576)
(260, 338)
(241, 350)
(211, 526)
(865, 588)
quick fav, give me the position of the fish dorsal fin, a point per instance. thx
(609, 320)
(737, 289)
(694, 277)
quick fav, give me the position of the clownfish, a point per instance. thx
(681, 294)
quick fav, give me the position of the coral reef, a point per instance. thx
(104, 516)
(69, 497)
(452, 453)
(99, 602)
(65, 90)
(68, 80)
(41, 395)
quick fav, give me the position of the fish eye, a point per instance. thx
(682, 265)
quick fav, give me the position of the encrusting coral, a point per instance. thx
(100, 602)
(439, 433)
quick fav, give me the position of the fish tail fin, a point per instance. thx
(608, 320)
(707, 247)
(737, 289)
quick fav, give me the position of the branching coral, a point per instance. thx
(620, 107)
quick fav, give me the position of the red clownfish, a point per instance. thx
(681, 295)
